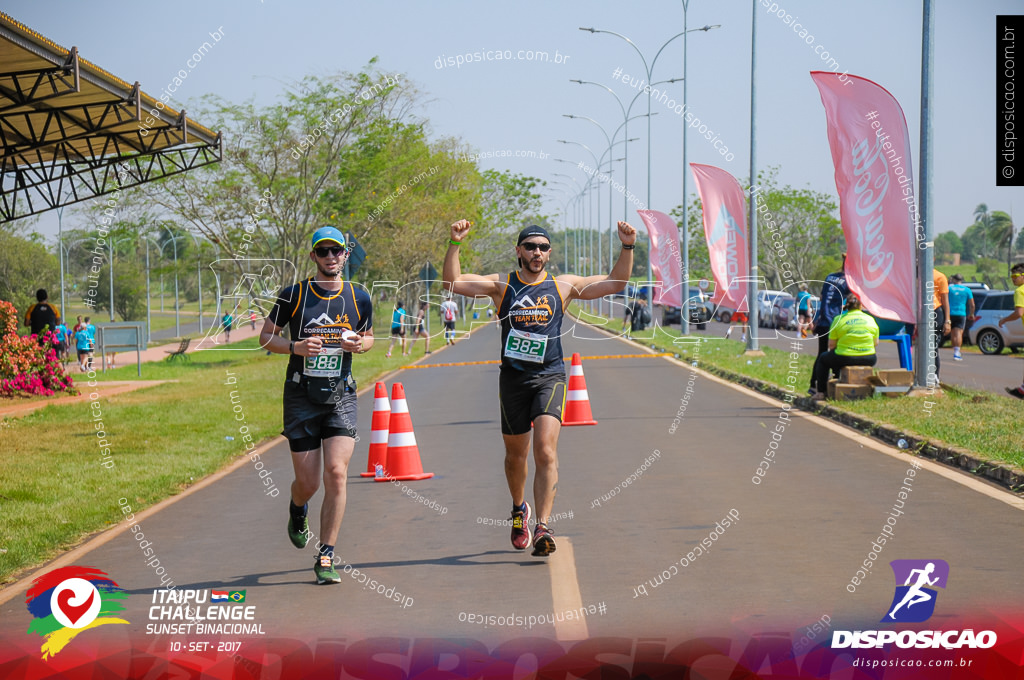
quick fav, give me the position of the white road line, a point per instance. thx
(565, 592)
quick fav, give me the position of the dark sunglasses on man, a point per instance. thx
(324, 251)
(542, 247)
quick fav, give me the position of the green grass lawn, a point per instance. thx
(53, 489)
(977, 421)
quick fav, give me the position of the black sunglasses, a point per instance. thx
(330, 250)
(542, 247)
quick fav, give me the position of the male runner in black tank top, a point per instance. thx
(530, 305)
(329, 320)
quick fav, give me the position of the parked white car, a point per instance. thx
(985, 331)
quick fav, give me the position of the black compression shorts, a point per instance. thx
(306, 423)
(524, 396)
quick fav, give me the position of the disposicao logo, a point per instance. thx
(922, 573)
(914, 602)
(70, 600)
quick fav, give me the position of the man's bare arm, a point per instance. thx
(472, 285)
(593, 287)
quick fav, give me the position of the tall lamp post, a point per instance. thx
(177, 306)
(149, 306)
(597, 167)
(624, 159)
(581, 214)
(648, 70)
(60, 256)
(575, 205)
(625, 125)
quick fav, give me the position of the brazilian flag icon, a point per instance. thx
(237, 596)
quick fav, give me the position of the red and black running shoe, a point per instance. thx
(521, 527)
(543, 541)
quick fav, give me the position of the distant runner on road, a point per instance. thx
(329, 320)
(531, 387)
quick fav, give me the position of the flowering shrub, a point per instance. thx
(26, 367)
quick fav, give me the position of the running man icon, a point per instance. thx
(919, 574)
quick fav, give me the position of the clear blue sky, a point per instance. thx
(518, 105)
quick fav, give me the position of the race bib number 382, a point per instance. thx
(526, 346)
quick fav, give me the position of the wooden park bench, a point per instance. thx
(180, 352)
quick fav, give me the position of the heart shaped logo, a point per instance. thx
(75, 603)
(74, 612)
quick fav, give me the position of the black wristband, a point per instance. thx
(628, 247)
(291, 347)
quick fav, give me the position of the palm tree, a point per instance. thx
(1000, 233)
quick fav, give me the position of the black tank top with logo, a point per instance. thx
(531, 325)
(313, 311)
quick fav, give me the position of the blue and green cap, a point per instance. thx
(328, 234)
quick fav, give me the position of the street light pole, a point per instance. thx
(177, 305)
(648, 70)
(752, 304)
(60, 256)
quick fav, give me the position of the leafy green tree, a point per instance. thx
(976, 243)
(990, 235)
(26, 265)
(398, 193)
(947, 243)
(509, 202)
(129, 290)
(265, 198)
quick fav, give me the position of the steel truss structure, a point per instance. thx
(71, 131)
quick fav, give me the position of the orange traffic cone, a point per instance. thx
(378, 432)
(577, 401)
(403, 457)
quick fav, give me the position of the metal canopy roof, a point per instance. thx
(66, 126)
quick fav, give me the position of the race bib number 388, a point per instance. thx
(327, 364)
(526, 346)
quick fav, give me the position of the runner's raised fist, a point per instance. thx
(460, 229)
(627, 234)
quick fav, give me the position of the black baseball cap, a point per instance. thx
(533, 230)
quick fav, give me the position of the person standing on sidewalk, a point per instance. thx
(834, 292)
(961, 306)
(397, 329)
(329, 321)
(449, 313)
(531, 386)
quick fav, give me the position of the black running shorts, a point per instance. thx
(524, 396)
(956, 321)
(307, 423)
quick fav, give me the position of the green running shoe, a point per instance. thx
(325, 571)
(301, 537)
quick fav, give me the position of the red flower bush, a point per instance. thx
(27, 367)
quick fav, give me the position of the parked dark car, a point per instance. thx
(700, 311)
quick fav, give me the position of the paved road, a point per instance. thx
(793, 543)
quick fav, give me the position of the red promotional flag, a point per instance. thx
(725, 227)
(666, 264)
(871, 152)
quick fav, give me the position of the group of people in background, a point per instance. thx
(42, 317)
(449, 312)
(848, 337)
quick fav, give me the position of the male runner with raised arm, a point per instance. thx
(531, 387)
